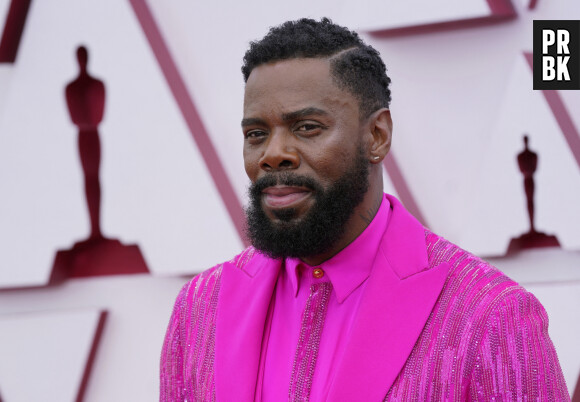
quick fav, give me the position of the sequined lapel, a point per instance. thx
(399, 297)
(243, 303)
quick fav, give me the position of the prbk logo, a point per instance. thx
(556, 54)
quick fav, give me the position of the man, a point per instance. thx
(344, 295)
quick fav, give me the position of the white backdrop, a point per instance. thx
(462, 99)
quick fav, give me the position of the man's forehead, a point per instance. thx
(289, 68)
(292, 81)
(291, 86)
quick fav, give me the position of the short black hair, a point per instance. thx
(355, 66)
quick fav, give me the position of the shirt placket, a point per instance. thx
(312, 324)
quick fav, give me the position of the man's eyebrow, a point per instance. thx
(252, 121)
(287, 117)
(308, 111)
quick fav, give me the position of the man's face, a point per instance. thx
(304, 155)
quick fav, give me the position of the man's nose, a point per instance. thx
(279, 153)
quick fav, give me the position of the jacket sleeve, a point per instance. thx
(171, 373)
(516, 359)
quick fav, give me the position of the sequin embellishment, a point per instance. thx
(309, 341)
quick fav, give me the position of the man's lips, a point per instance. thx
(284, 196)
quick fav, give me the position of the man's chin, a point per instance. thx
(283, 215)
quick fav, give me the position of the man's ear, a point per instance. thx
(381, 127)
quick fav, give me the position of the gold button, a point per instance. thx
(317, 273)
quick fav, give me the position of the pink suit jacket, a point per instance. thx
(435, 323)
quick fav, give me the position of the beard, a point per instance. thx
(321, 227)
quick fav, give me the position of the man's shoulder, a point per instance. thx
(477, 297)
(470, 277)
(241, 260)
(207, 282)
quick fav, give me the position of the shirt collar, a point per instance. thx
(348, 269)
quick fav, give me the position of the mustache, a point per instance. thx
(283, 179)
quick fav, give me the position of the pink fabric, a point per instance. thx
(434, 323)
(308, 348)
(347, 271)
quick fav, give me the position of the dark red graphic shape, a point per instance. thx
(85, 98)
(501, 11)
(528, 163)
(576, 395)
(92, 354)
(394, 172)
(561, 114)
(191, 115)
(97, 255)
(501, 8)
(97, 258)
(13, 29)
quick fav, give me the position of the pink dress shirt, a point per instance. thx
(347, 271)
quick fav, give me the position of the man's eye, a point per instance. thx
(308, 127)
(254, 134)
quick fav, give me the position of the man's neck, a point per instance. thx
(361, 217)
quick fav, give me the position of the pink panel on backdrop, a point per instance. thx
(394, 172)
(13, 28)
(501, 10)
(562, 116)
(190, 114)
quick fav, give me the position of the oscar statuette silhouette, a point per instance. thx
(96, 255)
(528, 163)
